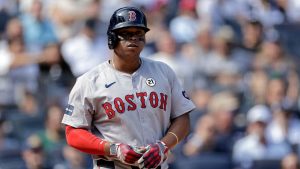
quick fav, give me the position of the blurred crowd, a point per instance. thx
(237, 60)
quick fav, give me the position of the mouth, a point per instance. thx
(132, 45)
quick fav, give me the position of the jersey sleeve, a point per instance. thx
(79, 111)
(180, 102)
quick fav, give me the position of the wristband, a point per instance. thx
(163, 146)
(113, 149)
(177, 140)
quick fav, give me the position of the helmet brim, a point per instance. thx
(126, 25)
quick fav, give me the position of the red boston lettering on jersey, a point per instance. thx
(163, 101)
(108, 110)
(142, 96)
(153, 98)
(119, 105)
(129, 99)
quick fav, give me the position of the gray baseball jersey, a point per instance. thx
(135, 109)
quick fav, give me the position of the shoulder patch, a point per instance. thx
(69, 110)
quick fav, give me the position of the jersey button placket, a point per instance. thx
(127, 81)
(139, 110)
(135, 82)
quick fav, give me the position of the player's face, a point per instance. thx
(131, 41)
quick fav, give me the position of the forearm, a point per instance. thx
(86, 142)
(178, 130)
(24, 59)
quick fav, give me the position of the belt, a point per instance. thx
(111, 164)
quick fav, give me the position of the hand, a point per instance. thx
(154, 156)
(128, 154)
(50, 54)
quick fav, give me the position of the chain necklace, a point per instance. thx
(112, 63)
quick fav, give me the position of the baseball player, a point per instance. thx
(130, 111)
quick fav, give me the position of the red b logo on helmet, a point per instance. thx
(132, 16)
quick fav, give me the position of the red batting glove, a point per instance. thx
(154, 156)
(126, 153)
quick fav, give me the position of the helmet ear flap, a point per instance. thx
(112, 39)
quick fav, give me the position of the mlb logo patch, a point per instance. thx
(69, 110)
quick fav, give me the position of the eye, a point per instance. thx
(140, 34)
(122, 34)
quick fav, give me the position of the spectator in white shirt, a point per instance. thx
(254, 145)
(86, 49)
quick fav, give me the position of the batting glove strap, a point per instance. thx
(163, 147)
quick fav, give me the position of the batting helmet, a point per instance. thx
(123, 18)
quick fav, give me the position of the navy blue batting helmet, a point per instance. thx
(123, 18)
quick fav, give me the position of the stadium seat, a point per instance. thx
(266, 164)
(206, 161)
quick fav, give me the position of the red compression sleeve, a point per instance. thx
(84, 141)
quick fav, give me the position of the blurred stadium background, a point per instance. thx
(237, 59)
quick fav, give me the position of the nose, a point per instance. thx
(133, 38)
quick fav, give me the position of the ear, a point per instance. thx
(112, 39)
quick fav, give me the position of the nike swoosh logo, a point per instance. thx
(108, 85)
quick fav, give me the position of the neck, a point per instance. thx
(127, 66)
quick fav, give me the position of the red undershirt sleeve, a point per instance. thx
(84, 141)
